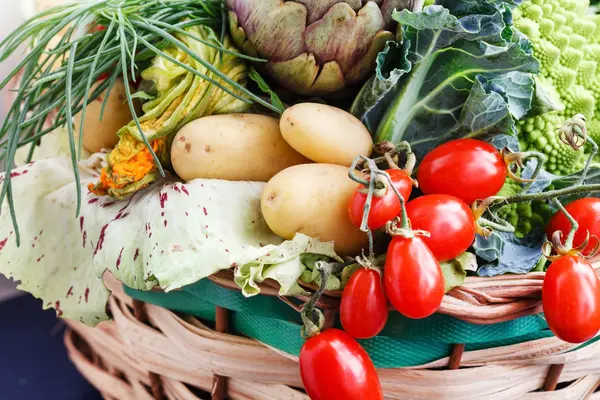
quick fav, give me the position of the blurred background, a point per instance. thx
(11, 16)
(33, 359)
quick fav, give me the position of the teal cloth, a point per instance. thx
(403, 343)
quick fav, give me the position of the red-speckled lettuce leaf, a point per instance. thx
(168, 235)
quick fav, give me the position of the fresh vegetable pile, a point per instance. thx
(454, 139)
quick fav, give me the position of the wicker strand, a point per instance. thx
(139, 311)
(553, 377)
(329, 314)
(456, 356)
(222, 326)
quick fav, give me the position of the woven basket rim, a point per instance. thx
(480, 300)
(157, 348)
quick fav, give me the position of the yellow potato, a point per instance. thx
(102, 134)
(325, 134)
(235, 147)
(313, 199)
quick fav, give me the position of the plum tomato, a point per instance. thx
(364, 307)
(448, 220)
(587, 214)
(385, 208)
(413, 278)
(333, 366)
(469, 169)
(571, 299)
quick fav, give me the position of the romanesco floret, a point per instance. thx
(565, 41)
(539, 134)
(524, 217)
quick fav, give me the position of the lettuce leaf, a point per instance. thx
(168, 235)
(286, 264)
(455, 271)
(460, 71)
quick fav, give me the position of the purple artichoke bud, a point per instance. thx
(315, 47)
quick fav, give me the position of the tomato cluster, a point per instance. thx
(333, 365)
(452, 176)
(440, 226)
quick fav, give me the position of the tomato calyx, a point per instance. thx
(368, 263)
(391, 154)
(516, 161)
(574, 132)
(401, 226)
(556, 248)
(381, 186)
(483, 226)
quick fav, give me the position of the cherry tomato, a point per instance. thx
(448, 220)
(385, 208)
(465, 168)
(364, 307)
(571, 299)
(334, 366)
(587, 214)
(413, 278)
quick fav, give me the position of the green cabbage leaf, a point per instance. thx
(460, 70)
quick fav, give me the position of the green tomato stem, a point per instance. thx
(371, 246)
(574, 225)
(588, 164)
(541, 160)
(552, 194)
(501, 225)
(312, 317)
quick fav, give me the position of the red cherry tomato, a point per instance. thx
(364, 307)
(334, 366)
(413, 278)
(465, 168)
(448, 220)
(587, 214)
(571, 299)
(385, 208)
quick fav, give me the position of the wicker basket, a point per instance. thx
(150, 352)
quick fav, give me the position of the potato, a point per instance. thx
(102, 134)
(325, 134)
(235, 147)
(313, 199)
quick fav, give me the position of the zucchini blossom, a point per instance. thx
(181, 97)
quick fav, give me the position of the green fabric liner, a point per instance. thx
(403, 343)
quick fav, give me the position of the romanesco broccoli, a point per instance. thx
(523, 216)
(565, 41)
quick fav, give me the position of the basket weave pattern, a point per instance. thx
(479, 300)
(148, 352)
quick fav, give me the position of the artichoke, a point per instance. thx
(315, 47)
